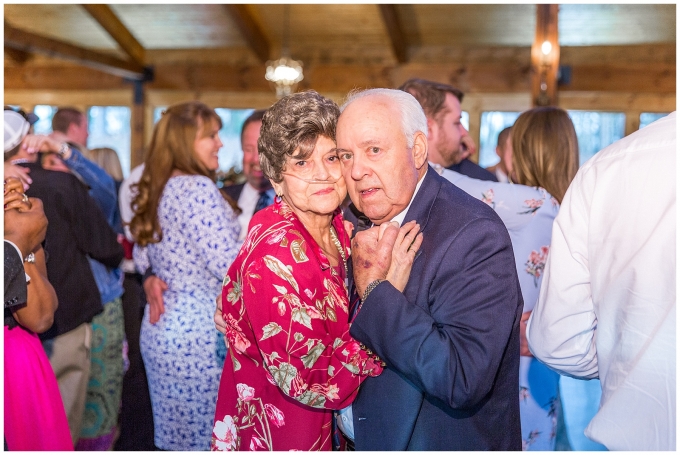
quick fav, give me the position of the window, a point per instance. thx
(45, 114)
(109, 126)
(492, 124)
(650, 117)
(465, 119)
(231, 155)
(596, 130)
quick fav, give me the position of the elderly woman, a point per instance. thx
(291, 359)
(541, 163)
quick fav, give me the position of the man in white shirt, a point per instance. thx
(504, 152)
(256, 192)
(607, 303)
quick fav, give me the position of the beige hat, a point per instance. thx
(16, 128)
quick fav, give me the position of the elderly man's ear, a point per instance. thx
(419, 149)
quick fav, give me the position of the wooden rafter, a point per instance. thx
(18, 56)
(30, 42)
(250, 30)
(117, 30)
(394, 31)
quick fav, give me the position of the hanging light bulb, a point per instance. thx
(546, 47)
(284, 72)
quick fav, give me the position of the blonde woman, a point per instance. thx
(541, 163)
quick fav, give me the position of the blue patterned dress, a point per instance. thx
(200, 241)
(528, 214)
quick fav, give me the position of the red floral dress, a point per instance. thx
(291, 359)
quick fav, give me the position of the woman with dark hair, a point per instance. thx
(541, 163)
(291, 359)
(187, 233)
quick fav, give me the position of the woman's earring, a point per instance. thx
(278, 199)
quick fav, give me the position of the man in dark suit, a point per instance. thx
(450, 340)
(256, 192)
(449, 143)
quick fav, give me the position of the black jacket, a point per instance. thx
(77, 228)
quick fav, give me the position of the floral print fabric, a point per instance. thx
(291, 360)
(200, 238)
(528, 214)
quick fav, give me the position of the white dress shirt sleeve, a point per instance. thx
(562, 333)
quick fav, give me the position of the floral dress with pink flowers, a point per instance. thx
(528, 214)
(291, 360)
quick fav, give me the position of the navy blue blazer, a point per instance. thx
(473, 170)
(450, 341)
(234, 191)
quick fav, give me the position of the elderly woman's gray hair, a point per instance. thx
(294, 123)
(412, 116)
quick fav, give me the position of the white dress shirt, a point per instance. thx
(607, 305)
(247, 201)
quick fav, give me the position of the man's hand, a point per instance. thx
(154, 288)
(372, 254)
(18, 172)
(523, 344)
(220, 323)
(34, 143)
(404, 252)
(467, 147)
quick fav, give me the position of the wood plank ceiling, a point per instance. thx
(224, 47)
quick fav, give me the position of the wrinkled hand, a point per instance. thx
(467, 147)
(372, 254)
(404, 252)
(523, 344)
(154, 288)
(220, 323)
(18, 172)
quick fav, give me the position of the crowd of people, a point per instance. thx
(367, 287)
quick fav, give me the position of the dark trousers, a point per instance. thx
(136, 416)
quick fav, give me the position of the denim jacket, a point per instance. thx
(103, 191)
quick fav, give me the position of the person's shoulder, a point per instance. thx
(475, 171)
(54, 181)
(234, 191)
(268, 230)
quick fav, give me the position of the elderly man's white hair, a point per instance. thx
(412, 116)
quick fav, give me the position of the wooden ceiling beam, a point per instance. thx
(471, 78)
(250, 30)
(105, 16)
(394, 31)
(545, 65)
(30, 42)
(18, 56)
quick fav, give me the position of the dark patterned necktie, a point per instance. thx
(263, 201)
(363, 223)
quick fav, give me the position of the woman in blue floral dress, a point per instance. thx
(189, 236)
(542, 162)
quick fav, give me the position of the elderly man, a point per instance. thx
(449, 143)
(451, 339)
